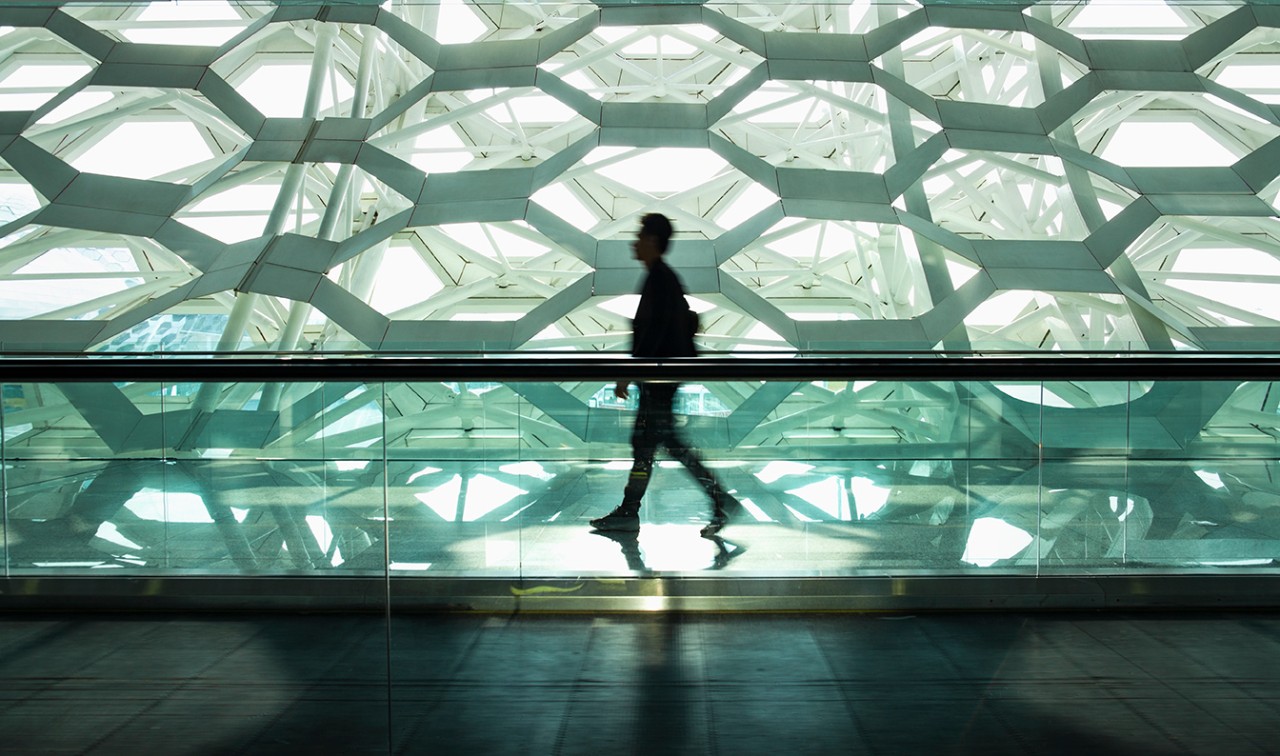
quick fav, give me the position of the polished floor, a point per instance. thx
(1049, 683)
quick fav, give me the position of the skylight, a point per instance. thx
(206, 23)
(30, 85)
(657, 172)
(279, 89)
(457, 22)
(145, 149)
(1151, 143)
(1118, 19)
(1260, 80)
(404, 280)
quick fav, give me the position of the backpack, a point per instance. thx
(692, 326)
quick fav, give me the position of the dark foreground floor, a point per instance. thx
(736, 684)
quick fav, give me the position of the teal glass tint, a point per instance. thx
(997, 420)
(86, 486)
(1096, 417)
(195, 478)
(290, 472)
(501, 479)
(1231, 418)
(454, 486)
(1086, 514)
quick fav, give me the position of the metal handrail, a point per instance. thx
(539, 367)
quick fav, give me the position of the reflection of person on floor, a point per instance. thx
(663, 328)
(630, 543)
(726, 551)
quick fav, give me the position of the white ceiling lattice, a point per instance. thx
(241, 175)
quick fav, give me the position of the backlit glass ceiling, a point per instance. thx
(242, 175)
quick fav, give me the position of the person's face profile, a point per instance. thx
(645, 248)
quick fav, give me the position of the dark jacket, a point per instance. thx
(662, 325)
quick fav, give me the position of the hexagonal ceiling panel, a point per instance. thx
(208, 23)
(978, 65)
(995, 195)
(819, 124)
(653, 63)
(1038, 176)
(143, 133)
(835, 270)
(477, 130)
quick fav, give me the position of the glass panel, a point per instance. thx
(1163, 475)
(454, 482)
(1181, 514)
(86, 489)
(1206, 497)
(1089, 427)
(503, 479)
(1000, 520)
(286, 475)
(832, 477)
(1089, 513)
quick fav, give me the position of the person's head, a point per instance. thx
(653, 238)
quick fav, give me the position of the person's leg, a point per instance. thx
(722, 504)
(644, 444)
(653, 425)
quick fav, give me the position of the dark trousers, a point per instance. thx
(655, 426)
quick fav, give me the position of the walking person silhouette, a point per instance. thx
(663, 327)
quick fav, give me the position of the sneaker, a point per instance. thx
(618, 520)
(718, 520)
(726, 551)
(726, 507)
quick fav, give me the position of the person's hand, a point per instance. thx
(621, 391)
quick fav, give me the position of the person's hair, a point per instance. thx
(658, 227)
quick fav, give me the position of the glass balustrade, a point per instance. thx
(460, 478)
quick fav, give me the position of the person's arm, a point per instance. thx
(664, 317)
(640, 335)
